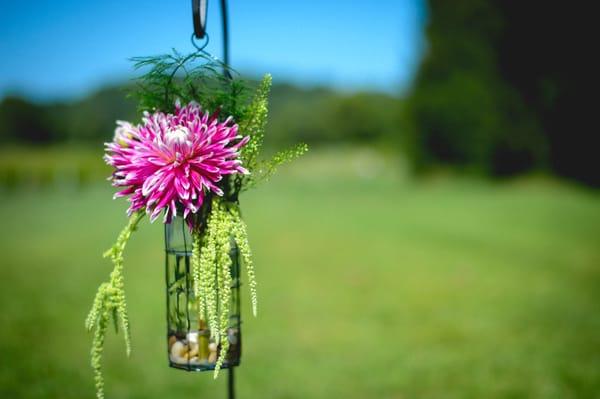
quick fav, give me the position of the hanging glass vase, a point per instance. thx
(190, 346)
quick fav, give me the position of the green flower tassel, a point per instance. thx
(110, 302)
(211, 270)
(240, 234)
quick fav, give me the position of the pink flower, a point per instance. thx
(173, 160)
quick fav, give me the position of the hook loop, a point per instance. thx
(200, 46)
(199, 8)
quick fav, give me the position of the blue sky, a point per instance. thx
(60, 49)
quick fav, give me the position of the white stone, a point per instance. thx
(178, 349)
(212, 347)
(212, 358)
(192, 336)
(193, 349)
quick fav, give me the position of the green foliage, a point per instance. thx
(253, 124)
(240, 235)
(194, 77)
(499, 93)
(110, 302)
(211, 269)
(197, 274)
(254, 121)
(464, 121)
(203, 81)
(24, 121)
(204, 266)
(265, 169)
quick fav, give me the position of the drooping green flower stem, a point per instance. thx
(110, 303)
(240, 235)
(211, 269)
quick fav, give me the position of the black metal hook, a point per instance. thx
(199, 8)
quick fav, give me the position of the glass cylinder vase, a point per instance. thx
(190, 346)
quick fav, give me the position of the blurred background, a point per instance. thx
(440, 240)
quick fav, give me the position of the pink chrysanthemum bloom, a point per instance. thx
(172, 160)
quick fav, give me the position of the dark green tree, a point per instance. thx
(23, 121)
(499, 90)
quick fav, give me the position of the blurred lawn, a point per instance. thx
(370, 287)
(45, 166)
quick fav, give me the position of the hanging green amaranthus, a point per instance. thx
(110, 303)
(211, 269)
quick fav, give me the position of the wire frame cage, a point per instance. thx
(189, 344)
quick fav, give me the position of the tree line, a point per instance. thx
(315, 116)
(504, 88)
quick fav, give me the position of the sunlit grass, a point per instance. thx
(370, 286)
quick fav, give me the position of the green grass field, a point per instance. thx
(370, 286)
